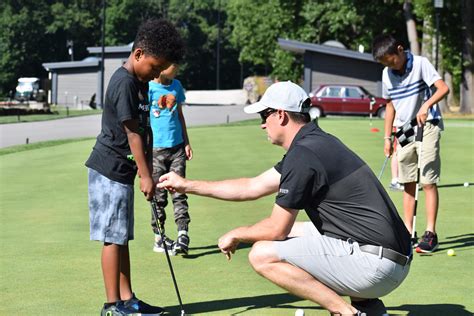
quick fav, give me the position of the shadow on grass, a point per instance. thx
(453, 185)
(457, 242)
(433, 310)
(287, 301)
(213, 250)
(246, 303)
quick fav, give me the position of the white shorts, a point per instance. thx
(341, 265)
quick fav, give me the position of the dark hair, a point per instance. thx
(298, 117)
(384, 44)
(160, 38)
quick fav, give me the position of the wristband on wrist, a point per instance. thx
(388, 137)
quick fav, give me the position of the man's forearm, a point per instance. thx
(230, 190)
(263, 230)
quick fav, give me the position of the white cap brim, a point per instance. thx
(255, 108)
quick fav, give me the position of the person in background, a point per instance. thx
(171, 149)
(407, 83)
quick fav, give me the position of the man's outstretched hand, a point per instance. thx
(172, 183)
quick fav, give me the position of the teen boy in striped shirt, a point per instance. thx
(408, 81)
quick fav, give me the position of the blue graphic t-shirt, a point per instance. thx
(165, 123)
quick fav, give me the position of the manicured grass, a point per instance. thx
(59, 113)
(49, 267)
(32, 146)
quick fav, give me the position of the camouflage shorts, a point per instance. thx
(110, 210)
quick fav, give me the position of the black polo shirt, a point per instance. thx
(126, 99)
(338, 191)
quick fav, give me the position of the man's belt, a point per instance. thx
(387, 253)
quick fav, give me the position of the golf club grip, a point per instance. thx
(161, 230)
(419, 133)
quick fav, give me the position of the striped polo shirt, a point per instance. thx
(410, 90)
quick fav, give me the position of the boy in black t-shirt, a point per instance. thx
(123, 147)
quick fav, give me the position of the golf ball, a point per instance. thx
(466, 184)
(299, 312)
(451, 252)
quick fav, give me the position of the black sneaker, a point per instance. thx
(116, 309)
(181, 245)
(158, 245)
(138, 307)
(428, 243)
(370, 307)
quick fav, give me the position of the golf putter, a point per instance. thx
(419, 140)
(154, 211)
(385, 161)
(383, 167)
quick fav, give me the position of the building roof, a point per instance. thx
(111, 49)
(87, 62)
(302, 47)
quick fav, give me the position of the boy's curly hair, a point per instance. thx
(160, 38)
(385, 44)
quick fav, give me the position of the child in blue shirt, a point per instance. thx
(171, 149)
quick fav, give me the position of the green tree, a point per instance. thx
(77, 21)
(198, 22)
(22, 40)
(35, 32)
(450, 38)
(257, 25)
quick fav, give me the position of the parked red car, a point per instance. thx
(345, 100)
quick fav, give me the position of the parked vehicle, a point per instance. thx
(28, 88)
(345, 99)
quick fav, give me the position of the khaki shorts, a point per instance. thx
(430, 159)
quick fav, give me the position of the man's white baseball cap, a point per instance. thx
(284, 95)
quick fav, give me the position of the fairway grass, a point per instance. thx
(48, 265)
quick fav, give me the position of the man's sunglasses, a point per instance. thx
(265, 114)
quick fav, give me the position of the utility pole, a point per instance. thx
(218, 79)
(438, 4)
(70, 48)
(100, 101)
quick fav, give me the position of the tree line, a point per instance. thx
(228, 40)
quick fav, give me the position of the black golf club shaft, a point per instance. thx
(161, 231)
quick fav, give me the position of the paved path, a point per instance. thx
(89, 126)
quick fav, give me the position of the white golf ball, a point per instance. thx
(299, 312)
(466, 184)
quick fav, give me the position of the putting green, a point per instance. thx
(49, 267)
